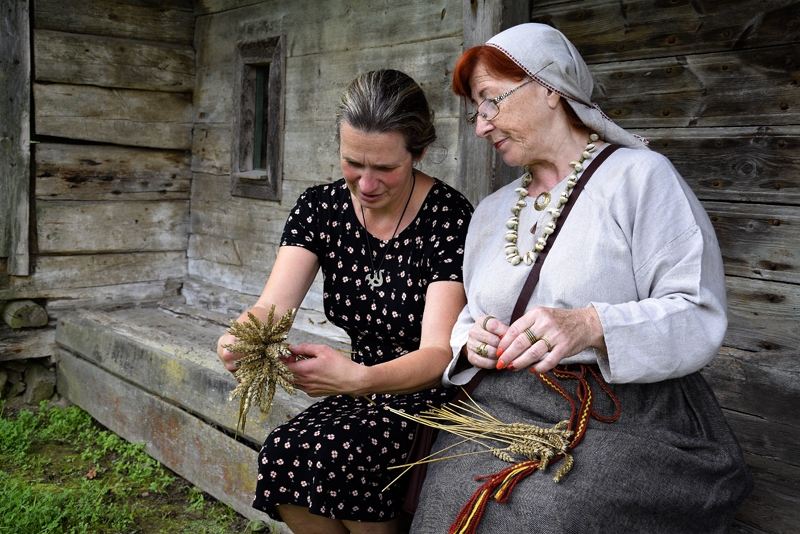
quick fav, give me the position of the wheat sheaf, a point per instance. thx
(507, 441)
(261, 369)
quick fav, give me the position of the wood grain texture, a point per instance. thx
(15, 66)
(92, 227)
(612, 31)
(118, 116)
(757, 240)
(752, 165)
(97, 172)
(752, 87)
(74, 276)
(762, 315)
(77, 59)
(167, 21)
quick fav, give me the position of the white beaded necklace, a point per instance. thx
(512, 253)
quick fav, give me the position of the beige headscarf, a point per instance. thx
(549, 58)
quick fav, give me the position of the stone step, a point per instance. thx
(153, 376)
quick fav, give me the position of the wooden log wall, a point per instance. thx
(234, 240)
(15, 66)
(713, 86)
(112, 86)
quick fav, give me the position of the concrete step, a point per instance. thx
(153, 376)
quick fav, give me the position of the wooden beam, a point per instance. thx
(165, 21)
(762, 315)
(15, 71)
(118, 116)
(480, 168)
(113, 62)
(92, 227)
(611, 31)
(97, 172)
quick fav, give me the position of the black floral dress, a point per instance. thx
(333, 457)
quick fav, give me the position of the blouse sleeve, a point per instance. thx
(677, 325)
(451, 215)
(302, 223)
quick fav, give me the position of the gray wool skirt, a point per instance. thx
(670, 464)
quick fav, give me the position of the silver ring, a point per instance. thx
(549, 346)
(481, 350)
(531, 336)
(486, 319)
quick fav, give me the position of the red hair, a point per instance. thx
(495, 61)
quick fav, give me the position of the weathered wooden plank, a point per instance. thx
(96, 172)
(310, 322)
(87, 227)
(425, 46)
(114, 297)
(764, 384)
(244, 280)
(758, 240)
(754, 164)
(481, 170)
(119, 116)
(15, 67)
(766, 439)
(220, 249)
(166, 21)
(209, 459)
(60, 277)
(173, 358)
(774, 505)
(24, 344)
(762, 315)
(208, 7)
(241, 221)
(610, 31)
(745, 88)
(71, 58)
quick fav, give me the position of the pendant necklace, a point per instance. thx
(375, 278)
(511, 251)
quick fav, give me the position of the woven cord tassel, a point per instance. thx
(500, 485)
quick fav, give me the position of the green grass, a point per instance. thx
(60, 471)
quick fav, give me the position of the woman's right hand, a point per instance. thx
(482, 342)
(229, 359)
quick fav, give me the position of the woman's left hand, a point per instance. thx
(545, 336)
(324, 371)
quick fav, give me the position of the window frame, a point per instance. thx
(246, 181)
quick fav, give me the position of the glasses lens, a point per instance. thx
(488, 110)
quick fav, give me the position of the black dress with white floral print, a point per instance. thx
(333, 457)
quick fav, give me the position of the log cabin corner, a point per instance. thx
(150, 151)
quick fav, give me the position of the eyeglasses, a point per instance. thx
(489, 108)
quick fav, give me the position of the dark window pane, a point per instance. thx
(261, 118)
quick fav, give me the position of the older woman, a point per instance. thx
(389, 240)
(630, 303)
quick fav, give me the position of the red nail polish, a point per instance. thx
(499, 352)
(500, 364)
(511, 367)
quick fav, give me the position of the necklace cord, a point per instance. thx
(374, 279)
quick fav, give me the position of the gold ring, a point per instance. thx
(531, 336)
(486, 319)
(481, 350)
(549, 346)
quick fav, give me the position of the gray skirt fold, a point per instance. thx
(669, 464)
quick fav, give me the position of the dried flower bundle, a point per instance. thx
(509, 441)
(261, 369)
